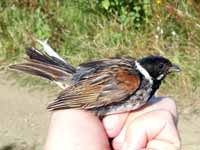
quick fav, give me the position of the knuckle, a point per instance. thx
(171, 102)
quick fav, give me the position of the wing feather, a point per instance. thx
(104, 87)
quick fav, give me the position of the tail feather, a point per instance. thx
(48, 50)
(37, 55)
(44, 70)
(46, 66)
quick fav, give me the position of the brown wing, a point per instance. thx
(108, 86)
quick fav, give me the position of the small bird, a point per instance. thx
(104, 87)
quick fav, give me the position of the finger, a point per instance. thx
(163, 103)
(137, 133)
(162, 145)
(75, 129)
(114, 123)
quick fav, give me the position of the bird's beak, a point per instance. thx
(174, 68)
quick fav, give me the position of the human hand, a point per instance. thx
(152, 127)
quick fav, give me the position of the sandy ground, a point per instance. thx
(24, 119)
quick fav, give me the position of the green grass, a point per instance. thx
(80, 32)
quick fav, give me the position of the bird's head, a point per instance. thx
(158, 67)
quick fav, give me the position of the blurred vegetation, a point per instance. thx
(84, 30)
(133, 12)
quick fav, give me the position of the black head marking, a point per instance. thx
(158, 67)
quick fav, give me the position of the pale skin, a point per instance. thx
(154, 127)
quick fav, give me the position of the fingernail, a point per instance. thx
(111, 121)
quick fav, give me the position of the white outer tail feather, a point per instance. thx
(47, 48)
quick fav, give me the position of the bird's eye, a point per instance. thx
(161, 65)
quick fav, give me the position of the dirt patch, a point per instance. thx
(24, 119)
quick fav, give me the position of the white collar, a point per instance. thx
(143, 71)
